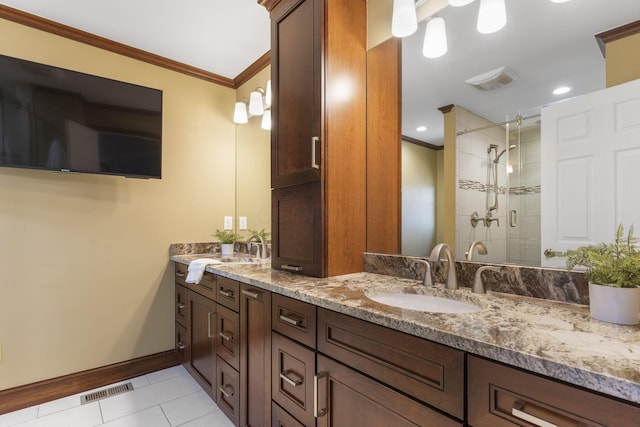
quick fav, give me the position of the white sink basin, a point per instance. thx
(426, 303)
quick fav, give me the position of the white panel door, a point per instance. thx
(590, 170)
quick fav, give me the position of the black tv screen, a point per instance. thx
(62, 120)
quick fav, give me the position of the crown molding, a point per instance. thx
(62, 30)
(422, 143)
(616, 34)
(268, 4)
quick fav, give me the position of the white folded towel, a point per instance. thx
(197, 267)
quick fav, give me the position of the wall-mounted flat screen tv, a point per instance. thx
(62, 120)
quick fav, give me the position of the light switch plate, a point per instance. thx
(242, 223)
(228, 223)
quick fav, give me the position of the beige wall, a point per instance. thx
(86, 277)
(623, 61)
(253, 160)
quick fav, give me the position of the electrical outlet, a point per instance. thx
(228, 223)
(242, 222)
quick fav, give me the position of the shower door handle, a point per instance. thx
(513, 218)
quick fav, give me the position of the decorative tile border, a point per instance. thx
(525, 189)
(544, 283)
(468, 184)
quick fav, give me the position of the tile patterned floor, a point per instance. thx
(167, 398)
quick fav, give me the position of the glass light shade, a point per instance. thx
(266, 120)
(435, 38)
(404, 21)
(240, 113)
(459, 3)
(492, 16)
(255, 104)
(267, 95)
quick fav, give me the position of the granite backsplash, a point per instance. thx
(546, 283)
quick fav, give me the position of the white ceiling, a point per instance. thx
(547, 44)
(220, 36)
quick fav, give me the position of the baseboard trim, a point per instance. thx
(20, 397)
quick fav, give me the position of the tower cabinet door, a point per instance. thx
(295, 79)
(297, 243)
(202, 342)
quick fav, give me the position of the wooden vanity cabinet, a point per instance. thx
(202, 342)
(502, 396)
(318, 136)
(255, 356)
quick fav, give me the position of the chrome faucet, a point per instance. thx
(478, 284)
(482, 249)
(436, 253)
(428, 277)
(262, 249)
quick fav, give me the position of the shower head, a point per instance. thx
(497, 159)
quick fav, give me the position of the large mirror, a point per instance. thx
(544, 45)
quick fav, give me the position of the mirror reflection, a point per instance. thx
(501, 78)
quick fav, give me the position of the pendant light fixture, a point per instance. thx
(459, 3)
(492, 16)
(404, 21)
(435, 38)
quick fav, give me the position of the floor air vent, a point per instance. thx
(107, 392)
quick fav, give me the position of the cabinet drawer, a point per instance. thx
(228, 336)
(228, 393)
(182, 306)
(206, 287)
(430, 372)
(292, 372)
(227, 293)
(294, 319)
(182, 344)
(180, 273)
(503, 396)
(281, 418)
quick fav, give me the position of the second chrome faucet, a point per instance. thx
(436, 254)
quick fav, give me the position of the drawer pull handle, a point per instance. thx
(251, 294)
(291, 267)
(223, 390)
(181, 345)
(314, 163)
(180, 274)
(226, 293)
(318, 412)
(226, 336)
(181, 306)
(286, 376)
(292, 320)
(518, 412)
(209, 325)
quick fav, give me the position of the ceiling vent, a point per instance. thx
(494, 79)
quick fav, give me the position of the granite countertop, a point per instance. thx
(555, 339)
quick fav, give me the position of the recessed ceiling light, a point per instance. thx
(421, 128)
(561, 90)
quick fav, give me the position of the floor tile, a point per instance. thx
(166, 374)
(152, 417)
(189, 407)
(81, 416)
(20, 416)
(146, 397)
(58, 405)
(217, 419)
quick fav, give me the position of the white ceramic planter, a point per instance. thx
(227, 249)
(615, 305)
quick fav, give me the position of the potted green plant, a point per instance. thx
(613, 271)
(227, 238)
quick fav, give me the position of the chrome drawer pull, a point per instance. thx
(181, 345)
(181, 306)
(286, 376)
(223, 390)
(209, 325)
(518, 412)
(314, 141)
(180, 274)
(226, 336)
(226, 293)
(317, 412)
(291, 267)
(251, 294)
(290, 320)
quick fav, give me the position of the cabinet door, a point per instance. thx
(297, 224)
(355, 400)
(202, 343)
(295, 79)
(255, 356)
